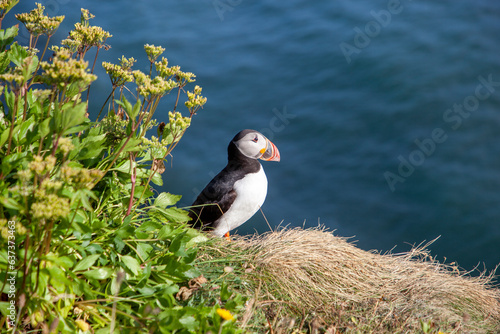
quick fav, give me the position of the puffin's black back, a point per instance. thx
(219, 194)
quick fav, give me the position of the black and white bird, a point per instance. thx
(239, 190)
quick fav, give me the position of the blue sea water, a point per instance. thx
(386, 112)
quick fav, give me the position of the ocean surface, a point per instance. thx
(386, 112)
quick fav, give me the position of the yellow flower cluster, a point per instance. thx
(38, 23)
(84, 36)
(41, 94)
(153, 52)
(185, 77)
(65, 145)
(13, 77)
(177, 121)
(41, 166)
(49, 206)
(120, 74)
(80, 177)
(158, 148)
(152, 88)
(7, 4)
(195, 99)
(163, 70)
(88, 35)
(64, 70)
(86, 15)
(5, 232)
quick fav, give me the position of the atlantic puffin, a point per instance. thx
(239, 190)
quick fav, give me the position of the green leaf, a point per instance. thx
(115, 287)
(4, 308)
(225, 293)
(11, 203)
(86, 262)
(119, 243)
(10, 99)
(132, 264)
(23, 129)
(13, 161)
(124, 167)
(165, 232)
(101, 273)
(144, 249)
(157, 179)
(125, 231)
(17, 54)
(173, 214)
(133, 145)
(62, 261)
(146, 291)
(166, 199)
(4, 60)
(44, 128)
(73, 115)
(149, 225)
(136, 109)
(4, 136)
(178, 244)
(125, 104)
(200, 238)
(189, 322)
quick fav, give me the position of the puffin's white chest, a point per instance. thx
(251, 192)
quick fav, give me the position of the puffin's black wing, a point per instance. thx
(215, 199)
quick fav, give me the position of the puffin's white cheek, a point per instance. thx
(249, 149)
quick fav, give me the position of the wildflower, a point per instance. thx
(65, 145)
(225, 314)
(195, 99)
(6, 5)
(177, 122)
(153, 52)
(163, 70)
(4, 232)
(185, 77)
(86, 16)
(51, 185)
(50, 206)
(38, 23)
(41, 166)
(85, 36)
(20, 229)
(41, 94)
(80, 177)
(65, 70)
(152, 88)
(120, 74)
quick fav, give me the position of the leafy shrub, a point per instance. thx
(86, 246)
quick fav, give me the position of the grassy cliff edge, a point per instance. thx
(299, 280)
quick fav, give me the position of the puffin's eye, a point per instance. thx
(256, 139)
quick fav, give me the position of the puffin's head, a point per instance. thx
(253, 144)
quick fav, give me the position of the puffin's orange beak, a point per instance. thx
(270, 153)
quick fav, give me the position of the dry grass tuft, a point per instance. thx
(327, 282)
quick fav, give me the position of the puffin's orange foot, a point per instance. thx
(227, 236)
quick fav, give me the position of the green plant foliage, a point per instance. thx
(86, 247)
